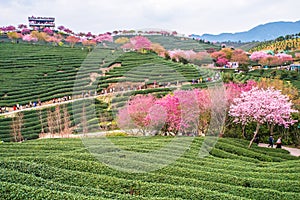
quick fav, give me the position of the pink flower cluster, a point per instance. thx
(173, 113)
(273, 60)
(138, 43)
(262, 106)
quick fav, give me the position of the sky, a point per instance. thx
(184, 16)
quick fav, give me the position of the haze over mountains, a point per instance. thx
(262, 32)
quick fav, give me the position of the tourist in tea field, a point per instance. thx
(278, 143)
(271, 141)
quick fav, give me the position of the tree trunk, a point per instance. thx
(243, 131)
(84, 121)
(271, 129)
(41, 121)
(255, 133)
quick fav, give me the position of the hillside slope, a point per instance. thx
(64, 169)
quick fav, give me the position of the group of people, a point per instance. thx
(271, 142)
(29, 105)
(3, 109)
(63, 99)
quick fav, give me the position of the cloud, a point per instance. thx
(185, 16)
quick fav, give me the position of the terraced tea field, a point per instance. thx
(64, 169)
(31, 72)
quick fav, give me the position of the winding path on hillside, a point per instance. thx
(293, 151)
(48, 104)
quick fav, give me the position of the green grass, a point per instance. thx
(63, 168)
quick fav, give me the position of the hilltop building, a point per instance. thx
(41, 22)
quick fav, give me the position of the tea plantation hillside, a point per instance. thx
(171, 43)
(175, 42)
(29, 73)
(32, 72)
(64, 169)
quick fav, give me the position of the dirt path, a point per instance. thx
(293, 151)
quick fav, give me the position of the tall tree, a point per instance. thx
(138, 43)
(72, 40)
(89, 44)
(158, 49)
(262, 106)
(66, 122)
(13, 36)
(240, 56)
(16, 126)
(122, 40)
(135, 115)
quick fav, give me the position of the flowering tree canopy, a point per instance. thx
(234, 90)
(14, 35)
(104, 37)
(88, 43)
(258, 55)
(262, 106)
(220, 58)
(55, 39)
(264, 58)
(135, 114)
(158, 49)
(25, 31)
(22, 26)
(72, 40)
(122, 40)
(138, 43)
(183, 111)
(8, 28)
(29, 38)
(239, 56)
(48, 31)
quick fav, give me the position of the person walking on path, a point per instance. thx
(271, 141)
(278, 143)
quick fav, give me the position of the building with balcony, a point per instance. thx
(41, 22)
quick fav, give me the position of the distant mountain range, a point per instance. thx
(262, 32)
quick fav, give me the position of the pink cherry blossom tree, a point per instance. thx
(9, 28)
(171, 107)
(72, 40)
(25, 31)
(262, 106)
(222, 61)
(22, 26)
(29, 38)
(135, 114)
(232, 91)
(220, 58)
(258, 55)
(182, 112)
(48, 31)
(240, 56)
(284, 58)
(55, 39)
(61, 28)
(88, 43)
(204, 107)
(138, 43)
(104, 37)
(89, 35)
